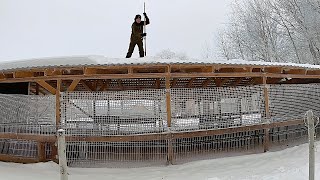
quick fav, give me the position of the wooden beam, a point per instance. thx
(23, 74)
(104, 85)
(73, 85)
(168, 101)
(168, 105)
(37, 89)
(207, 82)
(190, 83)
(220, 82)
(174, 82)
(30, 137)
(266, 97)
(87, 85)
(210, 132)
(41, 151)
(47, 86)
(58, 109)
(238, 81)
(158, 83)
(17, 159)
(120, 84)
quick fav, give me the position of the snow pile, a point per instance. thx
(101, 60)
(291, 164)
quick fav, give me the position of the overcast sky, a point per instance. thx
(45, 28)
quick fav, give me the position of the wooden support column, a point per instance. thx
(41, 151)
(266, 140)
(73, 85)
(168, 104)
(168, 101)
(58, 109)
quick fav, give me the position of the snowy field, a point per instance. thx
(289, 164)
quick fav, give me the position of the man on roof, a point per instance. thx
(137, 35)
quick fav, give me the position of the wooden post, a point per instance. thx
(58, 110)
(266, 98)
(41, 151)
(168, 104)
(168, 100)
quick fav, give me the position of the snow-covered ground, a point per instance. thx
(291, 164)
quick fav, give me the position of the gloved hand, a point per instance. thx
(143, 34)
(145, 14)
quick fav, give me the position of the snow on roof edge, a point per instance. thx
(91, 60)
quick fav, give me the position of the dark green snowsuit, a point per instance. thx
(137, 36)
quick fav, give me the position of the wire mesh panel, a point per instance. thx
(139, 153)
(207, 108)
(20, 148)
(114, 113)
(208, 147)
(290, 102)
(27, 114)
(295, 134)
(119, 115)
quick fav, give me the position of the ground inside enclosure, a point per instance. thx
(291, 163)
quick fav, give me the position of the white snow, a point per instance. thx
(289, 164)
(102, 60)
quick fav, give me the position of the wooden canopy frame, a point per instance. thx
(54, 80)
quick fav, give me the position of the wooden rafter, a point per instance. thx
(190, 83)
(47, 86)
(238, 81)
(73, 85)
(220, 82)
(158, 83)
(174, 82)
(120, 84)
(207, 82)
(105, 85)
(87, 85)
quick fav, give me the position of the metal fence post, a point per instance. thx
(62, 155)
(310, 120)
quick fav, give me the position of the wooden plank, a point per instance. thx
(238, 81)
(178, 135)
(266, 130)
(212, 132)
(47, 86)
(168, 101)
(174, 82)
(58, 109)
(277, 70)
(170, 157)
(121, 87)
(73, 85)
(295, 71)
(157, 83)
(17, 159)
(31, 137)
(52, 72)
(23, 74)
(190, 83)
(131, 138)
(220, 82)
(41, 151)
(207, 82)
(87, 85)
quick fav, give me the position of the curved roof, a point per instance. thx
(93, 60)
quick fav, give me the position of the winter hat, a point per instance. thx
(137, 16)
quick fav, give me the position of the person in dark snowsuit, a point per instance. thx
(137, 35)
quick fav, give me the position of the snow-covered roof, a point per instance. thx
(74, 61)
